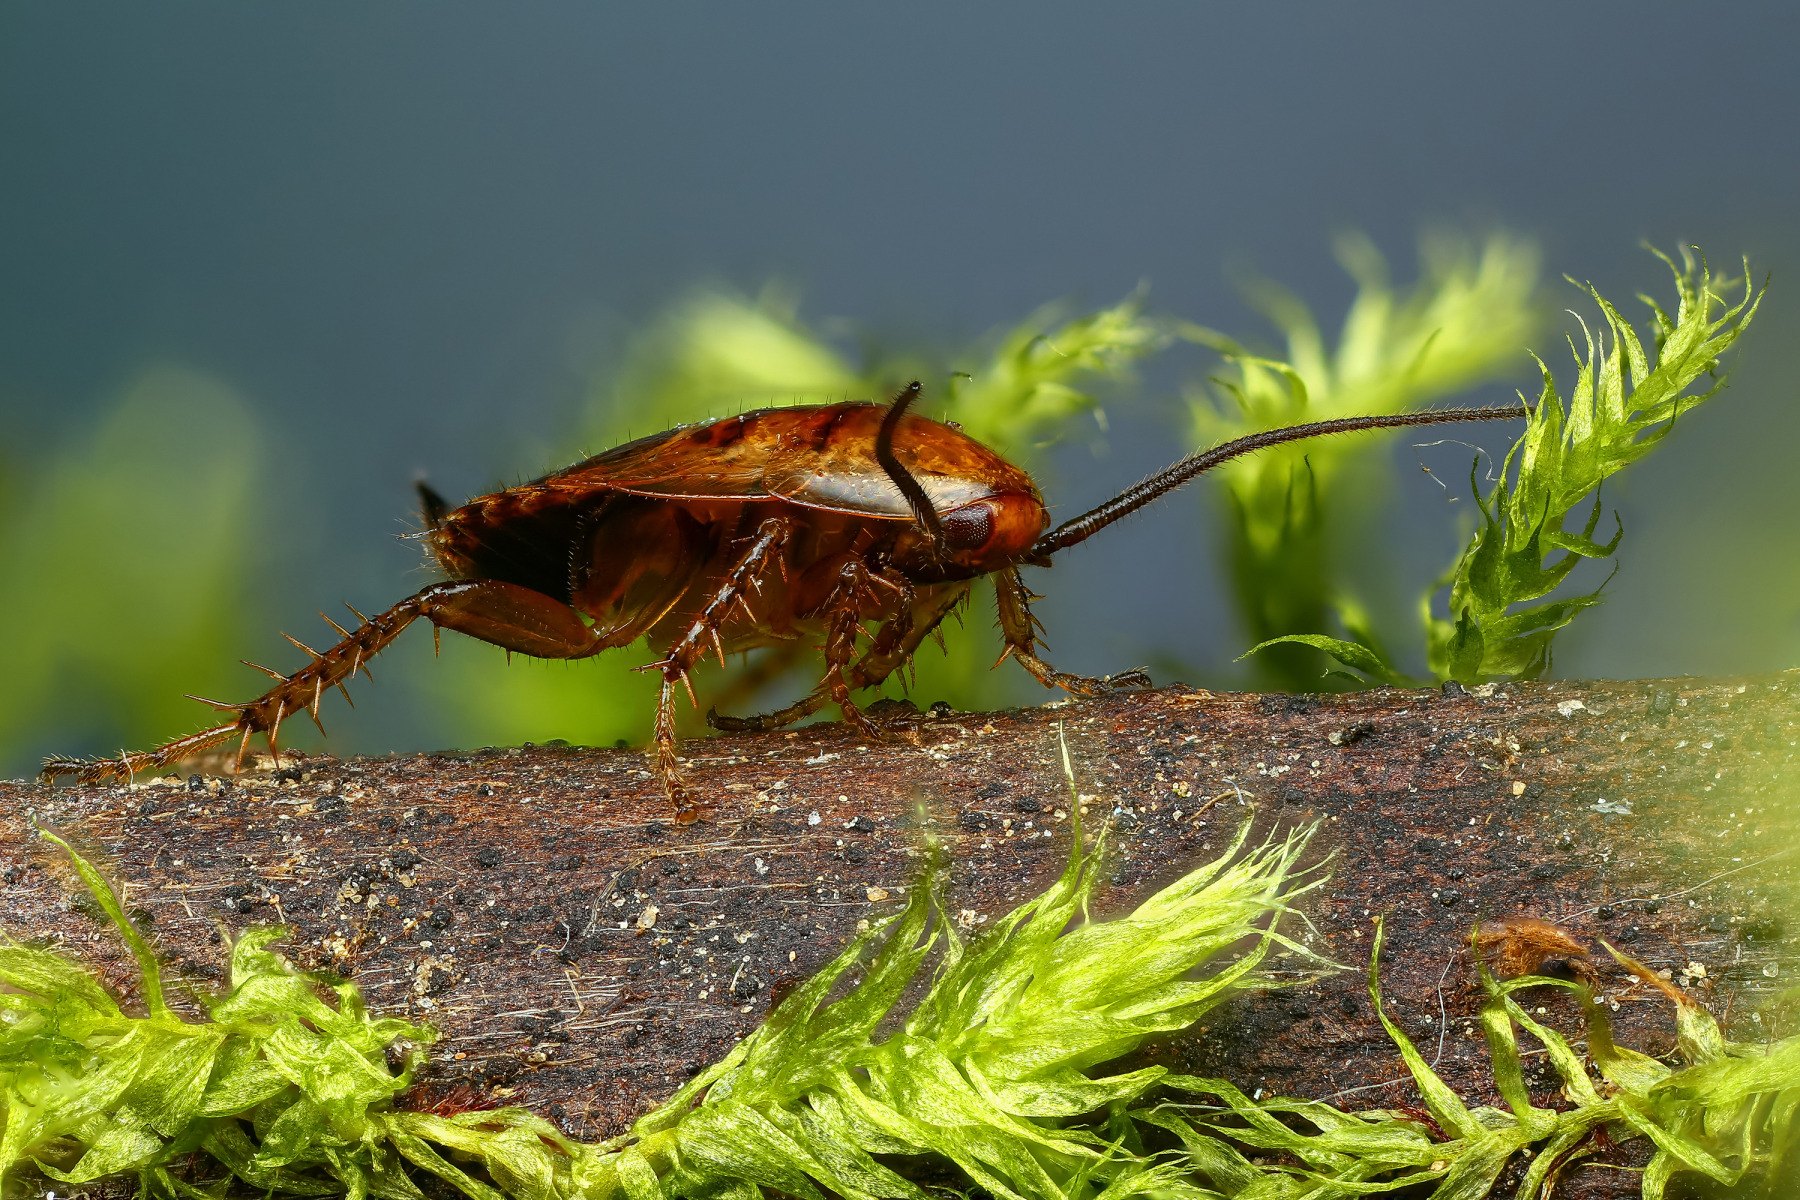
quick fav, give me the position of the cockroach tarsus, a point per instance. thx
(859, 524)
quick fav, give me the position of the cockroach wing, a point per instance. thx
(816, 456)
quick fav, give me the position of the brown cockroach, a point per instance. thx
(1532, 946)
(806, 522)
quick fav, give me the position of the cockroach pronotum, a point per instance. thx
(815, 521)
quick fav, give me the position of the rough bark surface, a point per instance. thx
(582, 955)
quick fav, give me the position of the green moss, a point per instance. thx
(1299, 514)
(1507, 595)
(996, 1069)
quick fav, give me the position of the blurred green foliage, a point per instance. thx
(1297, 527)
(123, 560)
(1506, 593)
(1503, 611)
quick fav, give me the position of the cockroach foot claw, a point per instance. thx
(884, 720)
(1135, 680)
(892, 717)
(55, 768)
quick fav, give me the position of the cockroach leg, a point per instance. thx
(900, 637)
(840, 648)
(668, 768)
(1020, 629)
(765, 545)
(896, 642)
(799, 710)
(843, 609)
(505, 614)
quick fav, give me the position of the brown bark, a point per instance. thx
(582, 955)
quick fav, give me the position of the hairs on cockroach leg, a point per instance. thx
(300, 645)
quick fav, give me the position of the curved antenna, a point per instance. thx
(903, 479)
(1080, 529)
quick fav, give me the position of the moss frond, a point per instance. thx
(1506, 593)
(1461, 324)
(290, 1086)
(287, 1085)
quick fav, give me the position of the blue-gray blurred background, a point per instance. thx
(263, 266)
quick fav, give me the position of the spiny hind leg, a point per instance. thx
(761, 553)
(1019, 627)
(505, 614)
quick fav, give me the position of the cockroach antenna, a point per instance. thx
(896, 471)
(1079, 529)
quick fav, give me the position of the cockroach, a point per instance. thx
(849, 523)
(448, 1100)
(1532, 946)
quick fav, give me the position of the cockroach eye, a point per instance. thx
(969, 528)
